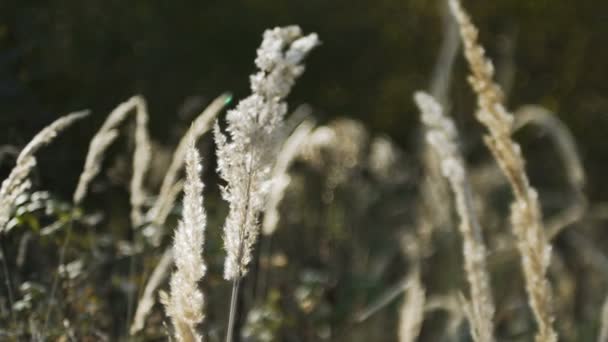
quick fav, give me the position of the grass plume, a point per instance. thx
(17, 181)
(185, 301)
(255, 127)
(442, 136)
(526, 216)
(104, 137)
(201, 125)
(281, 179)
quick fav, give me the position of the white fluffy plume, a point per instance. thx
(247, 159)
(185, 302)
(17, 181)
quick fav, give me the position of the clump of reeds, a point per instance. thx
(442, 136)
(526, 216)
(184, 304)
(247, 160)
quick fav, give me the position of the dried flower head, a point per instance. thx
(254, 127)
(526, 216)
(185, 302)
(104, 138)
(443, 137)
(17, 182)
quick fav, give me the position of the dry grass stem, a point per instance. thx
(526, 216)
(255, 127)
(412, 310)
(169, 202)
(141, 162)
(442, 136)
(442, 71)
(566, 147)
(147, 300)
(280, 175)
(603, 335)
(170, 189)
(104, 137)
(201, 125)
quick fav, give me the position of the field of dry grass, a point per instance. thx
(262, 224)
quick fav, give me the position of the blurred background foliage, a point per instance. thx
(60, 56)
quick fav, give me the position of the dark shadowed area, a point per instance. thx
(56, 58)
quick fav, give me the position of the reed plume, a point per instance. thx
(280, 175)
(185, 302)
(526, 216)
(247, 160)
(17, 182)
(158, 213)
(201, 125)
(104, 137)
(141, 162)
(442, 137)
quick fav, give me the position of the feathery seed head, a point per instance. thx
(442, 136)
(185, 303)
(246, 160)
(17, 182)
(526, 216)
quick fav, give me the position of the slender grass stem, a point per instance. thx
(130, 295)
(7, 282)
(62, 252)
(233, 308)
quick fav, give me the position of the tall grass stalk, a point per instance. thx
(100, 142)
(141, 162)
(18, 183)
(104, 137)
(185, 302)
(442, 136)
(526, 216)
(147, 300)
(246, 161)
(411, 314)
(158, 213)
(603, 334)
(234, 297)
(280, 175)
(201, 125)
